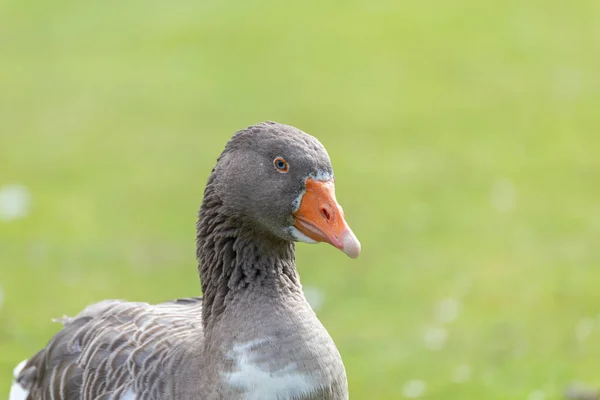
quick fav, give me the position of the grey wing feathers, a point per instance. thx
(113, 349)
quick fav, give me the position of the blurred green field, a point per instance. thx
(464, 136)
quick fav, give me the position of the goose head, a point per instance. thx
(280, 181)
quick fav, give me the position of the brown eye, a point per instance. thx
(281, 165)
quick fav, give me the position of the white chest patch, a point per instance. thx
(17, 392)
(258, 384)
(128, 395)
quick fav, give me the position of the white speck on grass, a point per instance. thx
(314, 296)
(569, 83)
(15, 202)
(584, 328)
(536, 395)
(462, 374)
(414, 388)
(503, 196)
(448, 309)
(435, 338)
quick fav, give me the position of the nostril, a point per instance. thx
(325, 213)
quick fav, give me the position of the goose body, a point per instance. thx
(252, 335)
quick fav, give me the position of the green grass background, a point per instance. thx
(113, 112)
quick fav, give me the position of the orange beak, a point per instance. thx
(321, 218)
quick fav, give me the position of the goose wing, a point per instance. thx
(113, 350)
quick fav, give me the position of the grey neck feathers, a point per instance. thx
(235, 258)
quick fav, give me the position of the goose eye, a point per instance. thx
(281, 165)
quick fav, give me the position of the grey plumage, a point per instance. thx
(112, 347)
(252, 335)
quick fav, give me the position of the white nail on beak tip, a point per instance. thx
(351, 244)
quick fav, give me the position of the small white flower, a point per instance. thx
(15, 202)
(536, 395)
(448, 309)
(462, 374)
(435, 338)
(414, 388)
(584, 328)
(503, 196)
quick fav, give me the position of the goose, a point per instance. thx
(252, 334)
